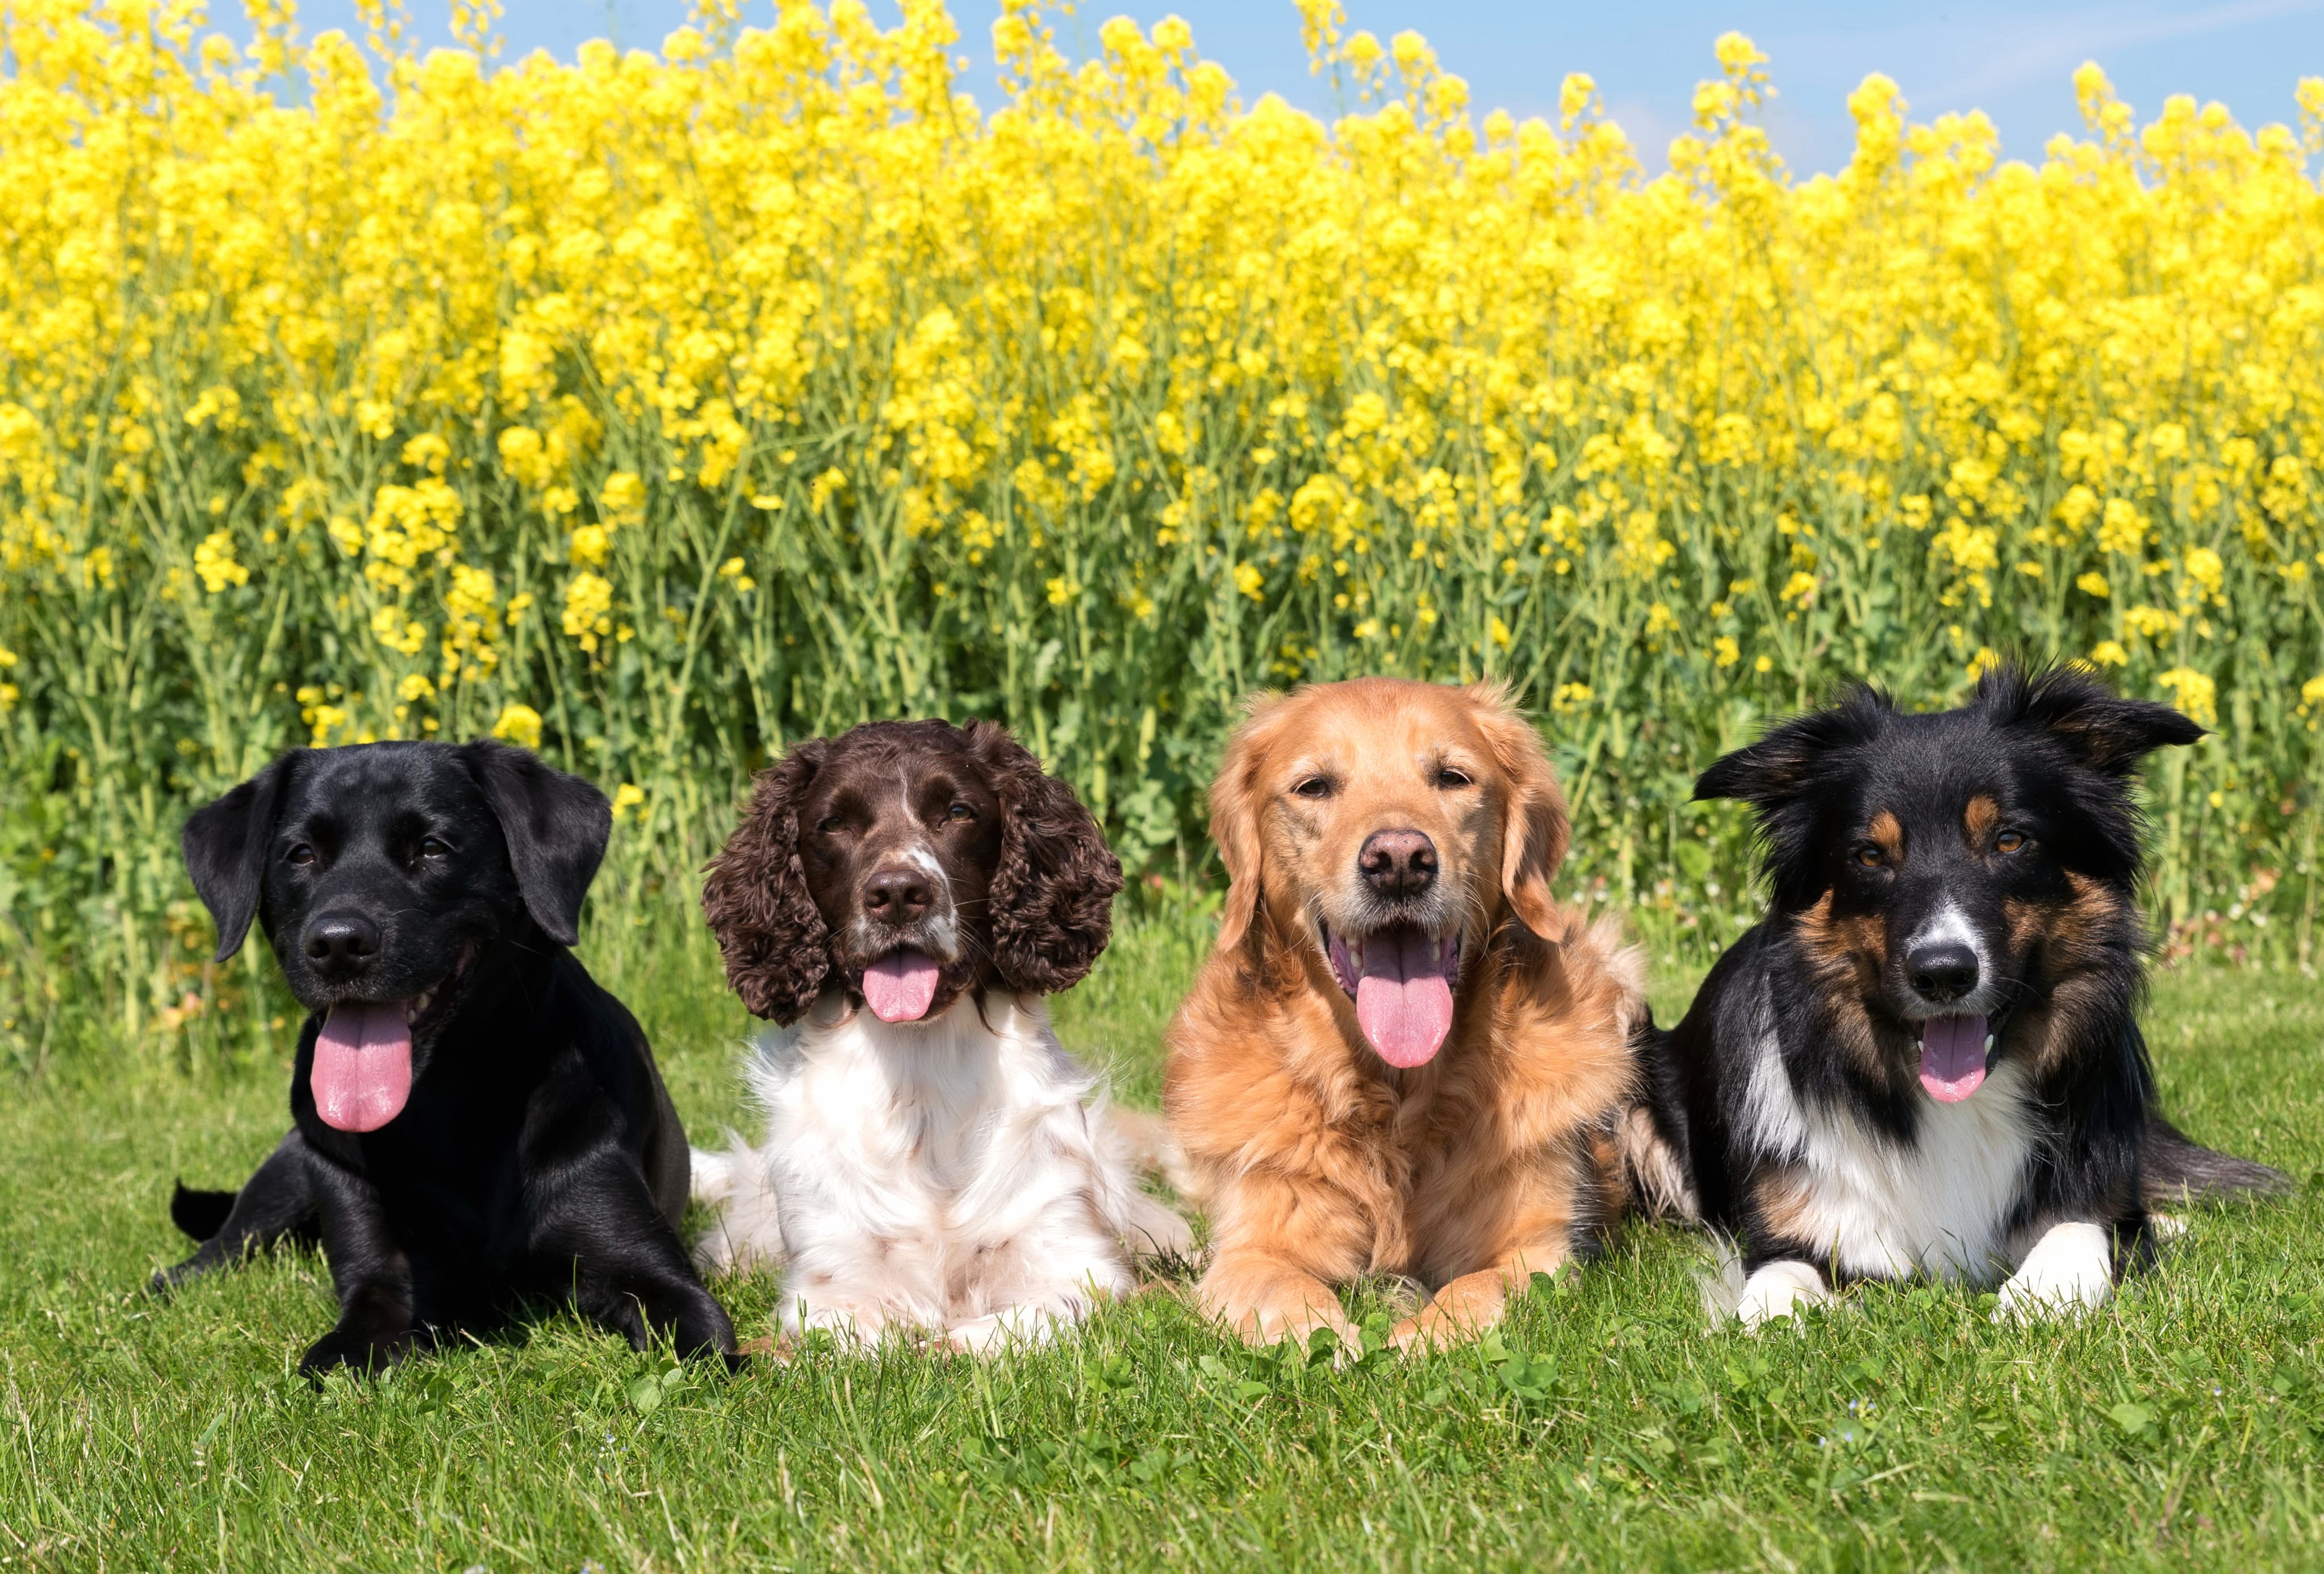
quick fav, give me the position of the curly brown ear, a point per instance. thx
(1051, 901)
(774, 941)
(1535, 836)
(1234, 821)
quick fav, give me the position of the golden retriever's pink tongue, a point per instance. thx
(1953, 1056)
(1404, 1000)
(899, 985)
(363, 1065)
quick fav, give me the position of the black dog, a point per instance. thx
(475, 1119)
(1927, 1059)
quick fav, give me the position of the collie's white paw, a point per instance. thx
(1779, 1289)
(2070, 1270)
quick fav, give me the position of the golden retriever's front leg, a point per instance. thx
(1280, 1244)
(1469, 1305)
(1265, 1299)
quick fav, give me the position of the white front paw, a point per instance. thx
(2070, 1270)
(1779, 1289)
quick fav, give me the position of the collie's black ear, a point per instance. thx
(224, 844)
(1788, 760)
(556, 826)
(2110, 733)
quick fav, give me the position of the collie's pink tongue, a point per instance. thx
(363, 1065)
(1953, 1051)
(1403, 998)
(899, 985)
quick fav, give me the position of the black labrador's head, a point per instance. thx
(382, 873)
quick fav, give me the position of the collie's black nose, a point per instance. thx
(1942, 973)
(340, 943)
(1398, 863)
(896, 896)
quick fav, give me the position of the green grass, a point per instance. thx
(1605, 1428)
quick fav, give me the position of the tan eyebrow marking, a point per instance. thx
(1983, 814)
(1888, 835)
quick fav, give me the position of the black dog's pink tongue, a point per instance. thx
(1953, 1056)
(901, 984)
(1404, 1000)
(363, 1065)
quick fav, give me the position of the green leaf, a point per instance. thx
(2134, 1419)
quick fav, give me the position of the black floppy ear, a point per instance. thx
(1789, 760)
(224, 844)
(2110, 733)
(556, 826)
(1051, 901)
(776, 946)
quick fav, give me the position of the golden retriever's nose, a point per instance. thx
(896, 896)
(1398, 863)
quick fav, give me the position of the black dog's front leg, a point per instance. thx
(278, 1200)
(626, 1266)
(371, 1275)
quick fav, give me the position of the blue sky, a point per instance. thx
(2013, 61)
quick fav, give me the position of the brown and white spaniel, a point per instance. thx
(898, 899)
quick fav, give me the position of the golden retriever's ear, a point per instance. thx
(1534, 838)
(1235, 798)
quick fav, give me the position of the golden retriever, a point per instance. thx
(1402, 1057)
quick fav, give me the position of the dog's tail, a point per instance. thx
(200, 1214)
(1151, 1229)
(745, 1225)
(1649, 1133)
(2174, 1169)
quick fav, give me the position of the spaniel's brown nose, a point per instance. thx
(1398, 863)
(896, 896)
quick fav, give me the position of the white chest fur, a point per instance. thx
(1940, 1205)
(944, 1174)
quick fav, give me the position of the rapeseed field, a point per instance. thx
(658, 409)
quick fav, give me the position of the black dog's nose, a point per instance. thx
(1942, 973)
(1398, 863)
(896, 895)
(341, 942)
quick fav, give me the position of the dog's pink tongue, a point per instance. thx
(363, 1066)
(901, 984)
(1403, 998)
(1953, 1056)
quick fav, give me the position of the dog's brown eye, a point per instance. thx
(301, 855)
(960, 812)
(435, 847)
(1315, 787)
(828, 824)
(2009, 841)
(1870, 856)
(1449, 777)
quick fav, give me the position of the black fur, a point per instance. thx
(2006, 825)
(538, 1153)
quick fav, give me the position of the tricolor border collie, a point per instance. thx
(898, 899)
(1926, 1060)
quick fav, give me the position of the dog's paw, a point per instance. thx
(1778, 1289)
(2069, 1271)
(353, 1352)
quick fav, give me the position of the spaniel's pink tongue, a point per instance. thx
(1404, 1000)
(1953, 1056)
(901, 984)
(363, 1065)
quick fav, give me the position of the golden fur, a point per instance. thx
(1318, 1160)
